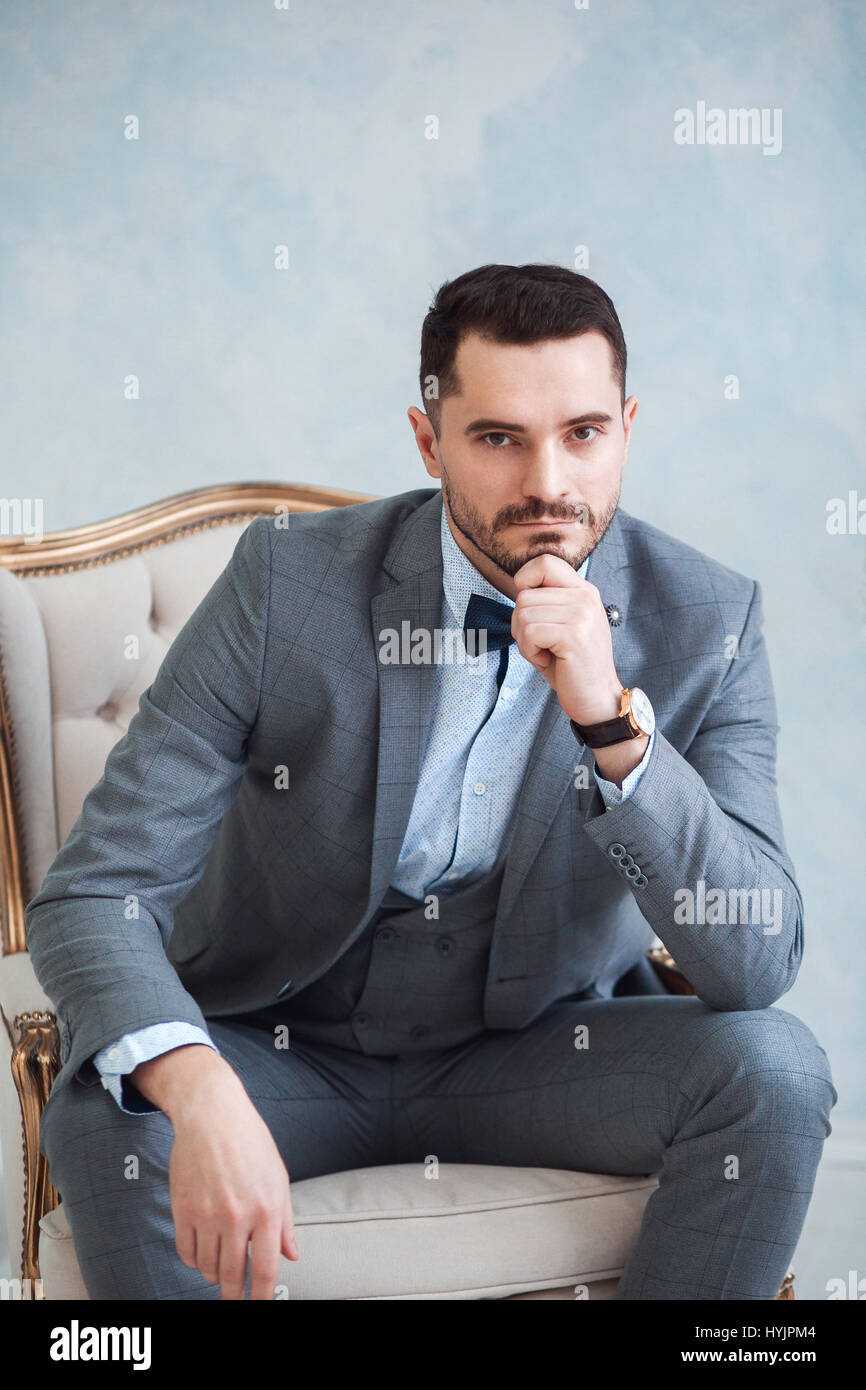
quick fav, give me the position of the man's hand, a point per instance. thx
(561, 626)
(228, 1184)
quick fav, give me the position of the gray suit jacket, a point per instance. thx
(192, 884)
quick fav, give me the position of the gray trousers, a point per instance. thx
(664, 1084)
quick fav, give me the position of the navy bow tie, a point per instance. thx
(494, 618)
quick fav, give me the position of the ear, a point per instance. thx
(628, 413)
(426, 440)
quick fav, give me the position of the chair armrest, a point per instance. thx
(35, 1063)
(665, 967)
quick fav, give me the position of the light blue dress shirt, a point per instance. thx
(468, 785)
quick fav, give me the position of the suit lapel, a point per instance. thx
(406, 690)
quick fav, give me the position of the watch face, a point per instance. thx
(642, 710)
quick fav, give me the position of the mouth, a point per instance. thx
(544, 525)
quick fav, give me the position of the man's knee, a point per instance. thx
(770, 1055)
(774, 1040)
(110, 1169)
(90, 1143)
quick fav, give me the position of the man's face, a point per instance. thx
(531, 452)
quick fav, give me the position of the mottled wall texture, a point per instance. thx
(155, 156)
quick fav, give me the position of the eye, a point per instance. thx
(587, 433)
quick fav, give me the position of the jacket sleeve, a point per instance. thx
(98, 927)
(700, 843)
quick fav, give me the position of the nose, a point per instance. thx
(546, 475)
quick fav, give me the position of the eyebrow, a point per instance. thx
(592, 417)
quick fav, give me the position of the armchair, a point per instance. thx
(66, 697)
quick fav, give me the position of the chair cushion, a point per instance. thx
(475, 1231)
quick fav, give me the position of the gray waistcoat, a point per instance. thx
(410, 982)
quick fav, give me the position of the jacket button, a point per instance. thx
(445, 945)
(386, 934)
(634, 872)
(642, 881)
(616, 851)
(419, 1031)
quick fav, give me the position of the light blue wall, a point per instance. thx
(307, 127)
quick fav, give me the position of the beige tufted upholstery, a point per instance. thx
(77, 649)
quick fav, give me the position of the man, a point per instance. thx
(589, 764)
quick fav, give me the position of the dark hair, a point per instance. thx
(512, 304)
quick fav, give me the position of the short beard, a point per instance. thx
(484, 536)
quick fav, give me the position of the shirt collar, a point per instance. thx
(460, 578)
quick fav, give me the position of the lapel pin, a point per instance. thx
(614, 616)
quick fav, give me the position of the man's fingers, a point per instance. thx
(264, 1261)
(543, 637)
(184, 1240)
(233, 1263)
(288, 1246)
(572, 601)
(547, 569)
(208, 1253)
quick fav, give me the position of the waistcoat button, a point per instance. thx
(445, 945)
(419, 1031)
(361, 1018)
(386, 934)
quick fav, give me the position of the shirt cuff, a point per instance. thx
(115, 1060)
(611, 793)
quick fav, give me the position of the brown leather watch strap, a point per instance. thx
(604, 734)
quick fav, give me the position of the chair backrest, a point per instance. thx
(86, 617)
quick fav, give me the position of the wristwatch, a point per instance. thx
(636, 717)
